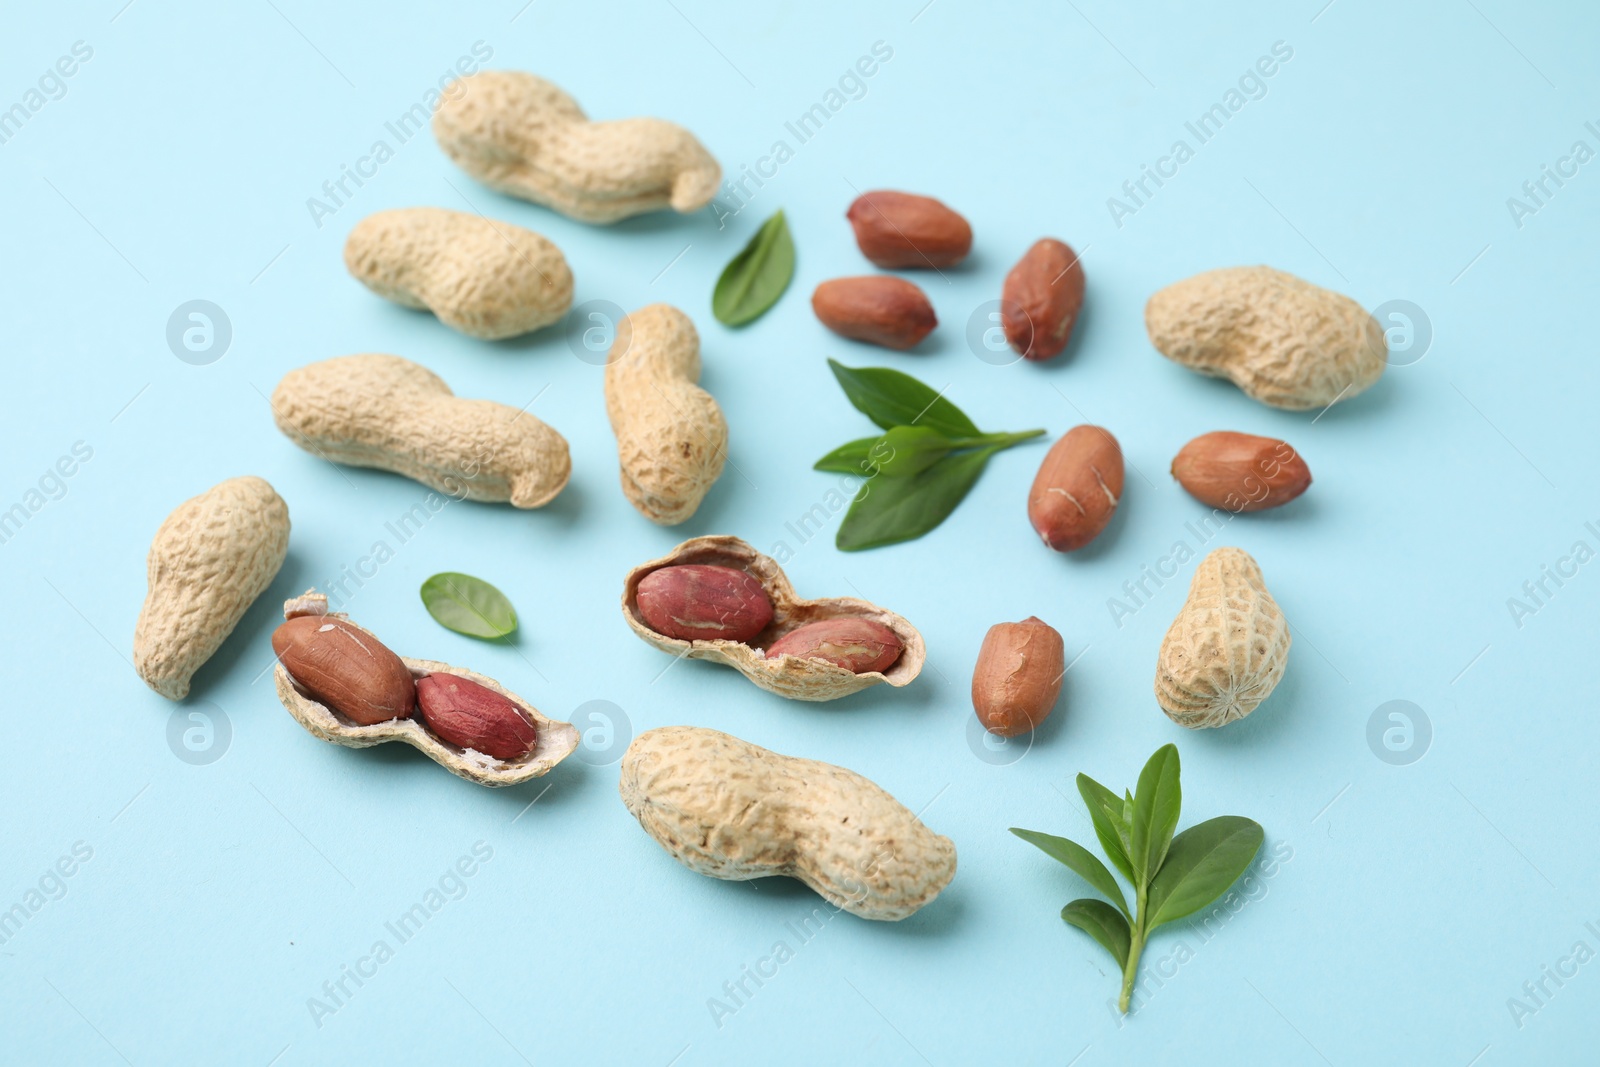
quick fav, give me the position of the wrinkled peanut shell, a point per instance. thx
(208, 562)
(1228, 647)
(1282, 340)
(490, 280)
(525, 137)
(726, 808)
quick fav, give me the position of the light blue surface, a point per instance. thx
(217, 899)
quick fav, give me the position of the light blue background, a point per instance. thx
(220, 897)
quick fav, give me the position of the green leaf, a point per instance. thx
(890, 510)
(1155, 813)
(890, 398)
(755, 278)
(468, 605)
(1102, 922)
(1081, 860)
(1105, 811)
(860, 456)
(1202, 863)
(909, 450)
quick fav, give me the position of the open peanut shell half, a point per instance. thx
(787, 676)
(555, 740)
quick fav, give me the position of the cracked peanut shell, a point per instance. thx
(555, 740)
(1282, 340)
(728, 809)
(1228, 647)
(489, 280)
(794, 677)
(208, 562)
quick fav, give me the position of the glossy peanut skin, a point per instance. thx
(345, 668)
(857, 645)
(1241, 472)
(1018, 677)
(704, 602)
(468, 715)
(1041, 298)
(904, 231)
(1076, 491)
(877, 309)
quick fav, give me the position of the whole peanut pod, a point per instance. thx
(1282, 340)
(526, 137)
(1228, 647)
(1040, 300)
(490, 280)
(905, 231)
(671, 437)
(392, 414)
(1076, 491)
(728, 809)
(1018, 677)
(209, 561)
(345, 668)
(1240, 472)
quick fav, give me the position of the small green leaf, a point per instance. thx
(468, 605)
(1202, 863)
(1102, 922)
(1081, 860)
(1155, 813)
(890, 510)
(1105, 811)
(890, 398)
(860, 456)
(755, 278)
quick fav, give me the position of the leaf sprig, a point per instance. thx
(923, 464)
(1172, 877)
